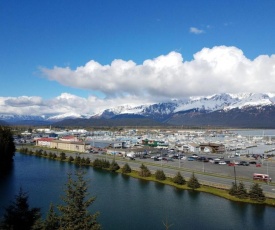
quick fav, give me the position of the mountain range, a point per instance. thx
(245, 110)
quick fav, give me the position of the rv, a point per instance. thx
(261, 177)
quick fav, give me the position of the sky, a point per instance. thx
(68, 56)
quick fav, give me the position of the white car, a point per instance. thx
(222, 163)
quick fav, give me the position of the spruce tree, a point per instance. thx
(178, 179)
(70, 159)
(241, 191)
(62, 156)
(126, 168)
(18, 215)
(114, 166)
(193, 182)
(233, 189)
(160, 175)
(74, 214)
(256, 193)
(87, 161)
(144, 171)
(52, 220)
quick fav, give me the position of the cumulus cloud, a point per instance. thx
(213, 70)
(220, 69)
(65, 103)
(195, 30)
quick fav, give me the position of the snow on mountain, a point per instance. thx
(252, 99)
(161, 111)
(215, 102)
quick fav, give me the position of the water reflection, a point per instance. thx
(193, 195)
(159, 186)
(143, 183)
(126, 178)
(258, 212)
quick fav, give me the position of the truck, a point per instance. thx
(261, 177)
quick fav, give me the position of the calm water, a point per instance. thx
(127, 203)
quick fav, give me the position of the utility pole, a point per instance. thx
(235, 175)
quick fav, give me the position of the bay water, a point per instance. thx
(127, 203)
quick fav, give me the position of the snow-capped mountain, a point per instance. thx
(193, 109)
(206, 104)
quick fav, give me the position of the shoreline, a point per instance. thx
(220, 192)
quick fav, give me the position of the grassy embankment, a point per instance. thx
(221, 192)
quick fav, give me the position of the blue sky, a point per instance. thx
(103, 53)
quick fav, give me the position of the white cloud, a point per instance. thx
(195, 30)
(219, 69)
(65, 103)
(216, 70)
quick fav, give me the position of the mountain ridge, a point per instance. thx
(174, 112)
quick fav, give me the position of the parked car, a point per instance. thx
(231, 164)
(183, 158)
(222, 163)
(258, 165)
(190, 158)
(253, 162)
(244, 163)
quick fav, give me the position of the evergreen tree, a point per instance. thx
(83, 161)
(7, 146)
(77, 160)
(70, 159)
(62, 156)
(233, 190)
(114, 166)
(87, 161)
(19, 216)
(74, 214)
(105, 164)
(241, 191)
(193, 182)
(144, 171)
(178, 179)
(256, 193)
(126, 168)
(160, 175)
(52, 220)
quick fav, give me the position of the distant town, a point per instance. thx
(140, 141)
